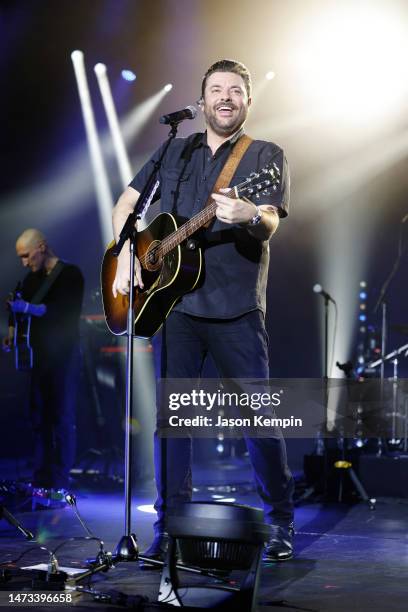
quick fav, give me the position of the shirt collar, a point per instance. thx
(228, 143)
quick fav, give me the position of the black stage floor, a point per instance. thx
(348, 558)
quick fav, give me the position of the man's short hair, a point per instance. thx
(228, 65)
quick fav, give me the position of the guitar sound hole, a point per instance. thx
(153, 257)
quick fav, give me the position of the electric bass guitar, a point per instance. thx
(23, 352)
(171, 263)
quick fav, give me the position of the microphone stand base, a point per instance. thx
(127, 549)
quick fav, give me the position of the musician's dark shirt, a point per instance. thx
(56, 334)
(236, 264)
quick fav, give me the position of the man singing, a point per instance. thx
(225, 315)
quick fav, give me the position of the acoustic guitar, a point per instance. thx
(171, 262)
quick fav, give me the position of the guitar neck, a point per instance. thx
(190, 227)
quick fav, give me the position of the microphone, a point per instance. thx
(319, 289)
(190, 112)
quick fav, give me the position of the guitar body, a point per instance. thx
(165, 280)
(171, 264)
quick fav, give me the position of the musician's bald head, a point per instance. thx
(31, 237)
(33, 250)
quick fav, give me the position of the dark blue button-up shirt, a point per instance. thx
(235, 263)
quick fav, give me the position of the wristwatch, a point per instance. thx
(257, 218)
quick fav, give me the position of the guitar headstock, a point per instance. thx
(262, 182)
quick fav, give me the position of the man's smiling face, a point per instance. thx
(226, 102)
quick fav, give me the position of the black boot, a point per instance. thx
(156, 551)
(280, 544)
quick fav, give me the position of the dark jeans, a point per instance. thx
(239, 348)
(53, 398)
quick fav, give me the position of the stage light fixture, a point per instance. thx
(128, 75)
(76, 55)
(168, 87)
(270, 75)
(363, 295)
(362, 317)
(100, 69)
(217, 537)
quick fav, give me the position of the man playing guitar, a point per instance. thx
(51, 293)
(224, 314)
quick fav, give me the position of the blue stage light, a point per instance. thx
(363, 295)
(362, 317)
(128, 75)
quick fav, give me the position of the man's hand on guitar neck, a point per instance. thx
(122, 278)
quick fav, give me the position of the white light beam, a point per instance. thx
(102, 188)
(122, 158)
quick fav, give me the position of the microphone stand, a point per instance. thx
(127, 549)
(381, 300)
(7, 516)
(322, 443)
(320, 449)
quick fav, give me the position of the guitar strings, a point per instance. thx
(187, 229)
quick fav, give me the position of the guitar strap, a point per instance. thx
(48, 282)
(226, 174)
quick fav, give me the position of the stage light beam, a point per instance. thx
(102, 187)
(349, 59)
(121, 155)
